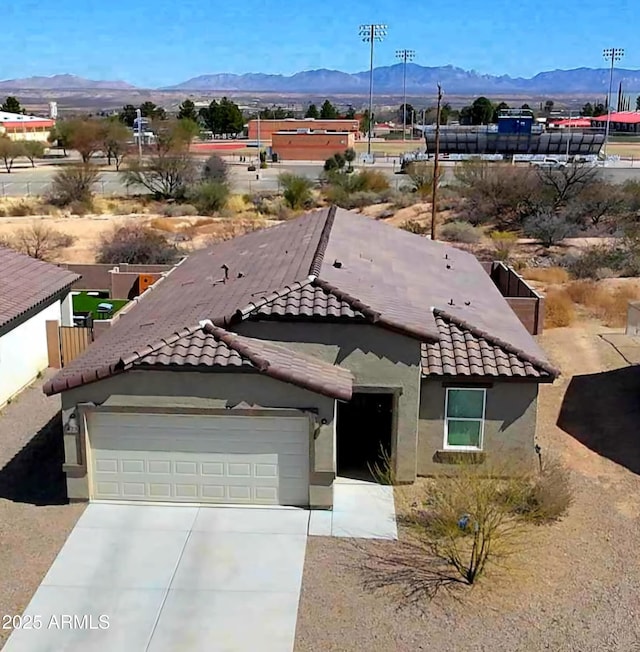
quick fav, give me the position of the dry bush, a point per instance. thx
(550, 275)
(558, 309)
(21, 209)
(236, 203)
(583, 292)
(460, 232)
(413, 226)
(611, 307)
(384, 469)
(503, 244)
(136, 244)
(232, 228)
(74, 184)
(179, 210)
(549, 495)
(39, 241)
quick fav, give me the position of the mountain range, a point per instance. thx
(387, 79)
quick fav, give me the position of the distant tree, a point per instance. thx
(330, 164)
(548, 227)
(187, 111)
(10, 150)
(638, 103)
(136, 244)
(481, 111)
(210, 115)
(410, 114)
(328, 111)
(39, 241)
(599, 109)
(61, 135)
(128, 115)
(297, 190)
(152, 111)
(85, 137)
(312, 112)
(548, 106)
(12, 105)
(587, 110)
(496, 112)
(365, 122)
(115, 141)
(167, 174)
(187, 130)
(32, 149)
(231, 118)
(526, 107)
(422, 177)
(275, 113)
(215, 169)
(445, 113)
(74, 184)
(350, 157)
(466, 115)
(350, 113)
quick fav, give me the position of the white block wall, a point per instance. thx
(23, 352)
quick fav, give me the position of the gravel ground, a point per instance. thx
(572, 587)
(35, 518)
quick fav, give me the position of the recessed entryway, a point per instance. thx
(363, 430)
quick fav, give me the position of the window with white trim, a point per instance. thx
(464, 418)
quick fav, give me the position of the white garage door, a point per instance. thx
(202, 459)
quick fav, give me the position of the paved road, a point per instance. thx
(25, 181)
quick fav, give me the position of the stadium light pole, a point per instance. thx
(370, 33)
(612, 55)
(404, 56)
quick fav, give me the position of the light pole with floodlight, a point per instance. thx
(404, 56)
(613, 55)
(369, 34)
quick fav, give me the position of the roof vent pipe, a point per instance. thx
(225, 268)
(451, 302)
(337, 264)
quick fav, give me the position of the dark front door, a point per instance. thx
(364, 428)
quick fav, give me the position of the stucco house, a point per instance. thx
(260, 369)
(32, 292)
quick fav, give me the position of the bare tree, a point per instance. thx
(596, 202)
(568, 182)
(115, 141)
(168, 175)
(39, 241)
(74, 184)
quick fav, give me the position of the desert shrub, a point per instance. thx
(550, 275)
(413, 226)
(370, 180)
(236, 203)
(136, 244)
(79, 208)
(582, 291)
(383, 470)
(209, 197)
(39, 241)
(179, 210)
(360, 199)
(558, 309)
(215, 169)
(503, 243)
(3, 211)
(548, 228)
(548, 496)
(73, 184)
(460, 232)
(330, 164)
(400, 199)
(591, 261)
(421, 175)
(297, 190)
(21, 209)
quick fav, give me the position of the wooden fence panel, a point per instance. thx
(73, 341)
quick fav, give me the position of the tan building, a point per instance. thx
(25, 127)
(269, 127)
(310, 145)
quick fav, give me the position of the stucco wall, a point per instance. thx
(376, 357)
(204, 390)
(23, 352)
(509, 429)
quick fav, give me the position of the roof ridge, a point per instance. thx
(318, 257)
(354, 302)
(243, 313)
(232, 342)
(478, 332)
(148, 349)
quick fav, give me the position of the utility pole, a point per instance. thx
(369, 34)
(613, 55)
(434, 190)
(139, 116)
(259, 161)
(404, 56)
(569, 138)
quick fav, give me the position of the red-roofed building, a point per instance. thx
(626, 121)
(571, 123)
(25, 127)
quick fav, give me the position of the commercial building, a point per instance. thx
(621, 122)
(310, 145)
(269, 127)
(25, 127)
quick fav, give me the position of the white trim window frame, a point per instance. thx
(481, 419)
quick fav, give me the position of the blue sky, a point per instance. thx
(156, 42)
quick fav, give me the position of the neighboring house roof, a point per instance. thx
(326, 262)
(20, 120)
(463, 351)
(26, 283)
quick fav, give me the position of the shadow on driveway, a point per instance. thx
(602, 411)
(35, 474)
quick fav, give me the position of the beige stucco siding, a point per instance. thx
(206, 391)
(378, 358)
(509, 427)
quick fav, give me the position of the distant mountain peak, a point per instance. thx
(63, 81)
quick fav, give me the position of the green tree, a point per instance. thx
(210, 115)
(526, 107)
(12, 105)
(115, 141)
(33, 149)
(548, 106)
(599, 109)
(481, 111)
(328, 111)
(638, 103)
(150, 110)
(496, 112)
(128, 114)
(350, 114)
(187, 129)
(350, 157)
(10, 150)
(231, 118)
(364, 122)
(187, 111)
(445, 113)
(297, 190)
(587, 110)
(410, 114)
(61, 135)
(312, 112)
(85, 136)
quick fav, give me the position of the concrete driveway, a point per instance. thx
(146, 578)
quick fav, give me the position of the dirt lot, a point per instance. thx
(34, 517)
(573, 586)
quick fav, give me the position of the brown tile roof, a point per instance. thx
(329, 262)
(462, 350)
(26, 282)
